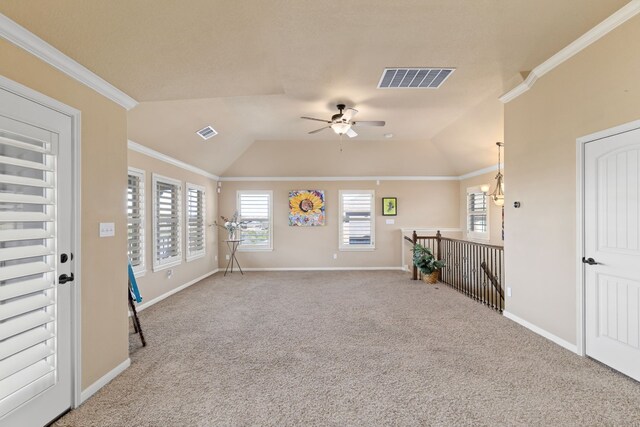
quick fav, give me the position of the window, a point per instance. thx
(477, 214)
(135, 220)
(357, 219)
(195, 222)
(167, 222)
(255, 211)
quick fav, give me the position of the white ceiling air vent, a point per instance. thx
(414, 78)
(207, 132)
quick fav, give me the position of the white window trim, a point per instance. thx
(190, 256)
(358, 248)
(141, 270)
(176, 260)
(476, 235)
(249, 248)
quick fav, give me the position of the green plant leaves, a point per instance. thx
(425, 261)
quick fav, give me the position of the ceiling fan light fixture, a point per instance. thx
(341, 128)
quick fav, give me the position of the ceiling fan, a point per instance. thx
(342, 122)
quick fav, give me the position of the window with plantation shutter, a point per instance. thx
(195, 221)
(167, 222)
(135, 220)
(255, 211)
(357, 220)
(477, 214)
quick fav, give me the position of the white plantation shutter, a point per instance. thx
(477, 217)
(135, 219)
(195, 221)
(255, 210)
(167, 222)
(357, 219)
(27, 269)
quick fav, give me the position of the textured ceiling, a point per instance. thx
(251, 68)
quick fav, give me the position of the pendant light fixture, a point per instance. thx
(498, 193)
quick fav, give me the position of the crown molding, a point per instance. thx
(479, 172)
(21, 37)
(360, 178)
(596, 33)
(134, 146)
(339, 178)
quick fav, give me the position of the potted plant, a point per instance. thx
(428, 265)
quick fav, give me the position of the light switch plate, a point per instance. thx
(107, 229)
(390, 221)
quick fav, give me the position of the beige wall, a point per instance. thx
(104, 163)
(421, 204)
(154, 284)
(595, 90)
(495, 212)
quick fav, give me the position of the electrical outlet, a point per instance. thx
(169, 273)
(227, 257)
(335, 256)
(216, 257)
(509, 291)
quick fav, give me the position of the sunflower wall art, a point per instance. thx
(306, 208)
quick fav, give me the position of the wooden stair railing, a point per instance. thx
(474, 269)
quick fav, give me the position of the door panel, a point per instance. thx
(35, 228)
(612, 237)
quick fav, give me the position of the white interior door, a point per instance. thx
(612, 240)
(35, 232)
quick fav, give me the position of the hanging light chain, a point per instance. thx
(498, 194)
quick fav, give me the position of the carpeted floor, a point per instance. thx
(348, 349)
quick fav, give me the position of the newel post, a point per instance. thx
(414, 238)
(438, 240)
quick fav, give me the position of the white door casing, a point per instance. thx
(612, 240)
(36, 214)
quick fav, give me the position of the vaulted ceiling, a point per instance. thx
(251, 68)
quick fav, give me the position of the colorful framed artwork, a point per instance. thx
(389, 206)
(306, 208)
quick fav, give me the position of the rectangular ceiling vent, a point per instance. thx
(207, 132)
(414, 78)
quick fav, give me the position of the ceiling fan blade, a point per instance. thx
(349, 114)
(318, 130)
(370, 123)
(317, 120)
(351, 133)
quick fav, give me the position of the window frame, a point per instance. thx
(255, 248)
(477, 235)
(175, 260)
(361, 248)
(190, 256)
(140, 269)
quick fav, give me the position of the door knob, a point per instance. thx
(589, 261)
(64, 279)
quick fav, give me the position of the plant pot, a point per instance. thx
(432, 278)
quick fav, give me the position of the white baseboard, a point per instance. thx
(540, 331)
(156, 300)
(322, 268)
(93, 388)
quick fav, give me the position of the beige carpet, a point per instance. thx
(348, 349)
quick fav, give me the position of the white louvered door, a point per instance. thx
(612, 240)
(35, 215)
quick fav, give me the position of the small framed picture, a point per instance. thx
(389, 206)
